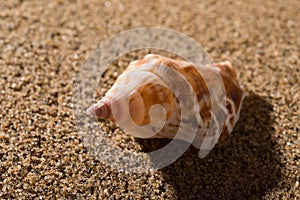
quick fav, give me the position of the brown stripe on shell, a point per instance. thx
(205, 113)
(233, 92)
(199, 86)
(224, 133)
(196, 80)
(229, 106)
(230, 82)
(232, 121)
(156, 94)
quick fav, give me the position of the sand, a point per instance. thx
(42, 45)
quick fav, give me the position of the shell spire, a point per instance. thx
(137, 90)
(101, 110)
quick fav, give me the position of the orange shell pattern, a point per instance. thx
(151, 94)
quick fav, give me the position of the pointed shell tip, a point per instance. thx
(91, 111)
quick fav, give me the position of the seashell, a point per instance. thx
(137, 93)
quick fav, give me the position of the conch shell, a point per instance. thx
(137, 91)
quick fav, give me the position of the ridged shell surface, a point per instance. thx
(141, 98)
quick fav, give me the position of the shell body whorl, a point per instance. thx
(140, 88)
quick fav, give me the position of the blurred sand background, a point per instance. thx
(42, 44)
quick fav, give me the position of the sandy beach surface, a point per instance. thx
(42, 45)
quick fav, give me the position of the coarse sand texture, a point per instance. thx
(44, 43)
